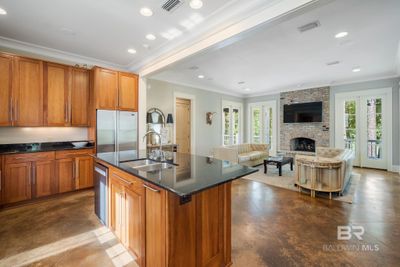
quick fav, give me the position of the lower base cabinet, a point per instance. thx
(34, 175)
(44, 180)
(127, 212)
(17, 182)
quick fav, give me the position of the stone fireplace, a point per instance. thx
(302, 144)
(305, 137)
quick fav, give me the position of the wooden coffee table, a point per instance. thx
(278, 162)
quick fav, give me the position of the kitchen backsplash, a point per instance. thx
(16, 135)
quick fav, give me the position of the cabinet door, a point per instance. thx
(117, 200)
(65, 175)
(106, 88)
(128, 92)
(17, 182)
(134, 221)
(56, 94)
(79, 97)
(44, 179)
(5, 90)
(84, 172)
(28, 92)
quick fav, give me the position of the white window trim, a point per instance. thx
(192, 99)
(232, 104)
(275, 138)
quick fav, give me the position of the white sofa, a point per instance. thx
(244, 154)
(326, 156)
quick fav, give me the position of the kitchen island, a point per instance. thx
(176, 214)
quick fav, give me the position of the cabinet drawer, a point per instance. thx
(65, 154)
(127, 180)
(27, 157)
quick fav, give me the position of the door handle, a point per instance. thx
(122, 179)
(11, 109)
(66, 112)
(33, 175)
(151, 188)
(73, 170)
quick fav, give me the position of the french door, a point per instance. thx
(362, 125)
(263, 128)
(231, 123)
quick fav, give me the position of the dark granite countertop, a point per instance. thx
(40, 147)
(190, 173)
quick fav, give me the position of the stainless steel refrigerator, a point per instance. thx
(117, 131)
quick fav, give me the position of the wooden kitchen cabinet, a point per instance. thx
(17, 182)
(28, 92)
(128, 92)
(5, 89)
(79, 104)
(44, 179)
(115, 90)
(56, 94)
(127, 208)
(65, 175)
(106, 88)
(84, 172)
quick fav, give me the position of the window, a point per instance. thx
(232, 123)
(263, 127)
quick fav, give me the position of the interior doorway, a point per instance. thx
(183, 124)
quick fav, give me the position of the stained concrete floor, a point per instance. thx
(270, 227)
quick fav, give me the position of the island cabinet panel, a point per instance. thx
(56, 94)
(127, 208)
(65, 175)
(5, 90)
(17, 182)
(128, 92)
(44, 179)
(106, 88)
(80, 88)
(28, 92)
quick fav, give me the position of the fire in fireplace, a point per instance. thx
(302, 144)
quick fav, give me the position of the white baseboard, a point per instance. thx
(396, 168)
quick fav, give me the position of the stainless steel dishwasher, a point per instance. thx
(100, 192)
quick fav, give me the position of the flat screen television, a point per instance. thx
(302, 112)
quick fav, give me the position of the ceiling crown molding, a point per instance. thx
(54, 54)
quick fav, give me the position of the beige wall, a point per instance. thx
(15, 135)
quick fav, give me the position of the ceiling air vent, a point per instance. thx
(309, 26)
(171, 5)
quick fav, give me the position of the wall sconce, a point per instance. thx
(209, 117)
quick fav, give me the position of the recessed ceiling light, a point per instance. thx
(357, 69)
(196, 4)
(201, 76)
(341, 35)
(247, 89)
(145, 11)
(150, 37)
(3, 11)
(132, 51)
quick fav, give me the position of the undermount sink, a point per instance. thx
(148, 165)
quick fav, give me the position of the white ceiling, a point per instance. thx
(277, 57)
(103, 30)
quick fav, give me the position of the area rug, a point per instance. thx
(287, 181)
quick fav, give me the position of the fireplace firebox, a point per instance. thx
(302, 144)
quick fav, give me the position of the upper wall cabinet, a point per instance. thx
(80, 85)
(115, 90)
(5, 90)
(106, 88)
(56, 94)
(27, 92)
